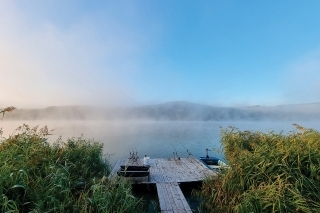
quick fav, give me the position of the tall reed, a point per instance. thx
(270, 172)
(7, 109)
(70, 176)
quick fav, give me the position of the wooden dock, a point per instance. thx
(171, 198)
(167, 173)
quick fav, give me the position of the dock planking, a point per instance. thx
(171, 198)
(167, 173)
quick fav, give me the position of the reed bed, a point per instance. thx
(269, 172)
(70, 176)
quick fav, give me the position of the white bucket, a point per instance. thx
(146, 161)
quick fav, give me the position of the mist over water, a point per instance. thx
(157, 139)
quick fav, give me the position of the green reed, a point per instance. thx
(270, 172)
(70, 176)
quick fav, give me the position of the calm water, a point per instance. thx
(155, 139)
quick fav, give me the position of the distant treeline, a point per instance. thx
(173, 111)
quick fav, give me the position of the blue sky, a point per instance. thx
(223, 53)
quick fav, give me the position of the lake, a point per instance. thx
(157, 139)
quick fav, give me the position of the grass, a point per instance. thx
(270, 172)
(70, 176)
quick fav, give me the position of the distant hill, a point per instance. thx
(188, 111)
(173, 111)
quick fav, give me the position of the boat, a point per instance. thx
(213, 163)
(134, 171)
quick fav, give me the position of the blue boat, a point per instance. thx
(213, 163)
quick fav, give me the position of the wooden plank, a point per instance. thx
(176, 196)
(171, 198)
(161, 197)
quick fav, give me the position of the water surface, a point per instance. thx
(155, 139)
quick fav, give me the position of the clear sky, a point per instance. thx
(222, 53)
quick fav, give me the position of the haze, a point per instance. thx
(120, 53)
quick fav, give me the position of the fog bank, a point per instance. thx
(172, 111)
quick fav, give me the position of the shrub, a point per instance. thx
(270, 172)
(36, 176)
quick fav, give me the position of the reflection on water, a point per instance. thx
(155, 139)
(148, 194)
